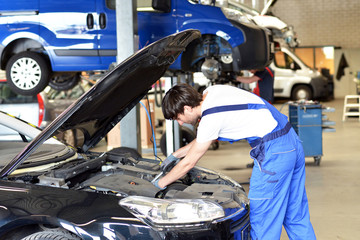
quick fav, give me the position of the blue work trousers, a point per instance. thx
(277, 190)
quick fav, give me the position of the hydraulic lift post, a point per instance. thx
(172, 127)
(126, 30)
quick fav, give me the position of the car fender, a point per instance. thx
(76, 211)
(86, 231)
(231, 34)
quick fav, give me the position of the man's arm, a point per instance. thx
(194, 153)
(247, 79)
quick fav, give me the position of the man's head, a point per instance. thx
(179, 98)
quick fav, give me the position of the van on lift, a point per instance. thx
(49, 42)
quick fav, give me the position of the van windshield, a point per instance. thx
(283, 60)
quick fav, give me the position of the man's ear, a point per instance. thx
(187, 108)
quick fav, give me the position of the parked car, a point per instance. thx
(49, 42)
(51, 191)
(29, 108)
(39, 110)
(24, 130)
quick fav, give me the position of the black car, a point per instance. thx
(53, 191)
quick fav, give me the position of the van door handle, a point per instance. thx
(90, 21)
(102, 20)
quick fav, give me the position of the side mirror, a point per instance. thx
(162, 5)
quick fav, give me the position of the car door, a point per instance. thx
(106, 19)
(283, 66)
(71, 34)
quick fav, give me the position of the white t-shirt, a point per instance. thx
(235, 124)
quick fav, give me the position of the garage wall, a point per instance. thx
(321, 22)
(325, 22)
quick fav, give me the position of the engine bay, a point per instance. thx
(125, 175)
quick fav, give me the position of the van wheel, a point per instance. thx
(126, 150)
(65, 81)
(27, 73)
(301, 92)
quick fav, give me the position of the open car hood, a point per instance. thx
(97, 111)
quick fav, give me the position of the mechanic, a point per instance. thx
(277, 185)
(265, 83)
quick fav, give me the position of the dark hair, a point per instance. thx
(177, 97)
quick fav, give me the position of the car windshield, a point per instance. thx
(283, 60)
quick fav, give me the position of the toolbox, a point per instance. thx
(309, 121)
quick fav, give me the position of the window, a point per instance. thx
(111, 4)
(317, 57)
(142, 5)
(282, 60)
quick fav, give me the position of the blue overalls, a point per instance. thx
(277, 185)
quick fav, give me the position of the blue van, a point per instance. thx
(49, 42)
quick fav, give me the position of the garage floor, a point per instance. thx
(333, 188)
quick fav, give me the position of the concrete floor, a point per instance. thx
(333, 188)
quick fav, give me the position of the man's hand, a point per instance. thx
(171, 158)
(156, 184)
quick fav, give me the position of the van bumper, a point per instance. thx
(320, 87)
(256, 52)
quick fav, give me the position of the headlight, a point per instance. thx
(235, 15)
(161, 213)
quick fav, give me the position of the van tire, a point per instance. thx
(187, 137)
(27, 73)
(301, 92)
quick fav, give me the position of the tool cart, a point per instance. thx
(309, 121)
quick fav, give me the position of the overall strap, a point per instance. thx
(234, 107)
(281, 129)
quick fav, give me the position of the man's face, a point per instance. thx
(189, 116)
